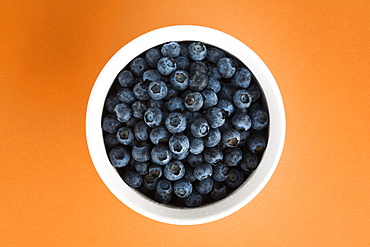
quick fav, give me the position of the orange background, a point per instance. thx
(50, 55)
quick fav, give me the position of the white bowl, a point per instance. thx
(139, 202)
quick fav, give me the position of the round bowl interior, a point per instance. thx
(139, 202)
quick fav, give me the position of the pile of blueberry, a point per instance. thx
(185, 123)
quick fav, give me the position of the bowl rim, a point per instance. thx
(242, 195)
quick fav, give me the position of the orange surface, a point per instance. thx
(51, 54)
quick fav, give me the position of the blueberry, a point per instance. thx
(119, 156)
(153, 117)
(241, 121)
(166, 65)
(197, 51)
(231, 138)
(132, 122)
(226, 106)
(256, 143)
(142, 167)
(235, 178)
(175, 104)
(205, 186)
(232, 156)
(219, 191)
(141, 153)
(125, 135)
(213, 72)
(161, 155)
(242, 78)
(182, 63)
(138, 109)
(210, 98)
(195, 159)
(227, 91)
(189, 174)
(214, 54)
(125, 78)
(194, 200)
(157, 90)
(175, 122)
(164, 199)
(213, 155)
(152, 57)
(123, 112)
(164, 187)
(196, 145)
(220, 172)
(156, 103)
(181, 156)
(110, 140)
(244, 135)
(259, 119)
(171, 92)
(110, 103)
(182, 188)
(193, 101)
(150, 181)
(171, 49)
(184, 48)
(155, 171)
(226, 67)
(111, 124)
(202, 171)
(199, 127)
(174, 170)
(151, 75)
(133, 179)
(249, 162)
(179, 80)
(198, 66)
(213, 138)
(242, 99)
(125, 95)
(254, 91)
(141, 131)
(141, 90)
(214, 84)
(215, 117)
(138, 66)
(159, 135)
(179, 144)
(198, 81)
(226, 126)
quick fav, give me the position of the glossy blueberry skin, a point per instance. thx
(202, 171)
(164, 187)
(141, 90)
(159, 135)
(141, 131)
(142, 167)
(156, 171)
(175, 122)
(259, 119)
(125, 78)
(182, 188)
(195, 159)
(141, 153)
(123, 112)
(242, 99)
(164, 199)
(210, 98)
(198, 66)
(242, 78)
(156, 103)
(152, 56)
(174, 171)
(171, 92)
(171, 49)
(179, 144)
(231, 138)
(244, 135)
(213, 72)
(256, 143)
(193, 101)
(241, 121)
(138, 66)
(133, 179)
(157, 90)
(189, 174)
(194, 200)
(205, 186)
(179, 80)
(213, 155)
(215, 117)
(184, 48)
(226, 106)
(138, 109)
(213, 138)
(110, 103)
(182, 63)
(111, 124)
(249, 162)
(161, 155)
(175, 104)
(153, 117)
(166, 65)
(198, 81)
(197, 51)
(254, 91)
(196, 145)
(214, 54)
(125, 95)
(232, 156)
(214, 84)
(150, 181)
(110, 140)
(119, 156)
(235, 178)
(125, 135)
(199, 127)
(151, 75)
(227, 91)
(220, 172)
(226, 67)
(181, 156)
(219, 191)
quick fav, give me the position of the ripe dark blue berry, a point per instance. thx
(151, 75)
(175, 104)
(152, 56)
(242, 99)
(138, 66)
(214, 84)
(125, 95)
(232, 156)
(153, 117)
(179, 144)
(111, 124)
(125, 78)
(125, 135)
(133, 179)
(159, 135)
(175, 122)
(195, 159)
(215, 117)
(231, 138)
(179, 80)
(226, 67)
(256, 143)
(193, 101)
(141, 131)
(110, 103)
(166, 65)
(182, 188)
(219, 191)
(249, 162)
(198, 81)
(157, 90)
(213, 138)
(141, 90)
(198, 66)
(197, 51)
(182, 63)
(205, 186)
(220, 172)
(259, 119)
(202, 171)
(210, 98)
(194, 200)
(174, 170)
(226, 106)
(242, 78)
(141, 153)
(171, 49)
(214, 54)
(150, 181)
(142, 167)
(155, 171)
(241, 121)
(161, 155)
(123, 112)
(165, 199)
(199, 127)
(138, 109)
(110, 140)
(254, 91)
(164, 187)
(119, 156)
(213, 155)
(196, 145)
(235, 178)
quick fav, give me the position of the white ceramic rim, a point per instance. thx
(140, 203)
